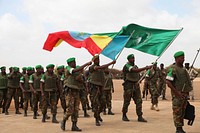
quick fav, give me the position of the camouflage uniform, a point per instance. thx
(61, 95)
(3, 89)
(131, 89)
(179, 81)
(50, 82)
(182, 83)
(108, 89)
(73, 95)
(24, 85)
(97, 79)
(153, 75)
(162, 83)
(146, 88)
(13, 90)
(34, 81)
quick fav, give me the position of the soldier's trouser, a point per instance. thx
(63, 101)
(162, 88)
(3, 93)
(132, 90)
(72, 103)
(12, 92)
(146, 88)
(27, 98)
(83, 98)
(154, 93)
(98, 100)
(108, 97)
(178, 107)
(36, 99)
(53, 101)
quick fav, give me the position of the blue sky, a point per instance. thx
(25, 25)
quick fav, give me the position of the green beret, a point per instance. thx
(70, 60)
(24, 68)
(3, 67)
(60, 67)
(50, 65)
(179, 53)
(130, 56)
(29, 69)
(95, 57)
(38, 67)
(16, 69)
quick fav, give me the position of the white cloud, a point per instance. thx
(22, 39)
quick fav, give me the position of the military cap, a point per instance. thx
(29, 69)
(60, 67)
(130, 56)
(179, 53)
(70, 59)
(38, 67)
(3, 67)
(50, 65)
(24, 68)
(16, 69)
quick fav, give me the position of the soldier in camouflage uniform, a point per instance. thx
(132, 88)
(108, 90)
(34, 83)
(61, 78)
(3, 88)
(73, 90)
(97, 81)
(49, 86)
(21, 99)
(179, 82)
(24, 85)
(162, 82)
(146, 87)
(13, 90)
(153, 74)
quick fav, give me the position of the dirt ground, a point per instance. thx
(158, 122)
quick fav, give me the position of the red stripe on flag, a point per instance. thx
(91, 46)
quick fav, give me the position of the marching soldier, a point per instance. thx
(73, 90)
(179, 82)
(13, 90)
(132, 88)
(162, 82)
(97, 81)
(3, 88)
(49, 86)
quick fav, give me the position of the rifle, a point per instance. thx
(194, 60)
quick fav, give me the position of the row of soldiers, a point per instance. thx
(72, 82)
(68, 84)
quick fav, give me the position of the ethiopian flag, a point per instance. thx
(149, 40)
(94, 43)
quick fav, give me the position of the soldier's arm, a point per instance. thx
(82, 67)
(31, 84)
(21, 84)
(105, 66)
(41, 85)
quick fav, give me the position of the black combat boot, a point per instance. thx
(43, 117)
(180, 130)
(6, 112)
(124, 117)
(17, 112)
(47, 117)
(86, 114)
(54, 119)
(75, 128)
(100, 119)
(35, 115)
(110, 112)
(97, 122)
(3, 110)
(62, 124)
(104, 112)
(141, 119)
(25, 113)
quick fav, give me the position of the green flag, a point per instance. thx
(149, 40)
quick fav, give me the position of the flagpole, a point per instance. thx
(169, 44)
